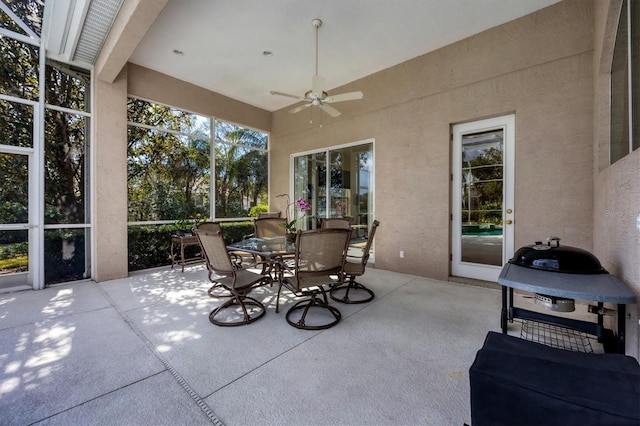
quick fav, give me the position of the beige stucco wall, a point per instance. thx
(109, 179)
(149, 84)
(617, 186)
(538, 67)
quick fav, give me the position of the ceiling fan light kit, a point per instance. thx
(317, 96)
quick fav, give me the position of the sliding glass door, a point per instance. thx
(336, 182)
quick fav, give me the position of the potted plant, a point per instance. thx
(292, 219)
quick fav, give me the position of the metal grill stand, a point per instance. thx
(602, 288)
(555, 336)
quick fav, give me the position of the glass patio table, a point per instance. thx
(270, 250)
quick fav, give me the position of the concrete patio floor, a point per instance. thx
(141, 350)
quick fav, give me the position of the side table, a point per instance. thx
(183, 241)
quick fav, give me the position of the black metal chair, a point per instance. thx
(240, 309)
(318, 262)
(355, 267)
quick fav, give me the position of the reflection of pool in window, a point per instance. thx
(481, 233)
(482, 247)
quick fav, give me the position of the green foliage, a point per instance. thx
(150, 245)
(15, 264)
(14, 256)
(12, 250)
(260, 208)
(169, 176)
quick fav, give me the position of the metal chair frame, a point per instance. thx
(353, 270)
(239, 282)
(318, 262)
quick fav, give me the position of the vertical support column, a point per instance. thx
(109, 179)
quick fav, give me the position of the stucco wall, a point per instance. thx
(149, 84)
(109, 179)
(617, 186)
(538, 67)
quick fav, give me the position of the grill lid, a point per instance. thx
(566, 259)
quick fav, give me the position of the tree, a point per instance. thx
(65, 145)
(241, 169)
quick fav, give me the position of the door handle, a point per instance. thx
(508, 221)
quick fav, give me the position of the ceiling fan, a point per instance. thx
(317, 96)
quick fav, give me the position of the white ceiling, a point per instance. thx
(223, 40)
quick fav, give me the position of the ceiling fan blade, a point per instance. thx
(300, 108)
(351, 96)
(317, 84)
(273, 92)
(330, 110)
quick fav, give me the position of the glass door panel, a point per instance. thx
(482, 174)
(336, 183)
(309, 180)
(14, 219)
(340, 204)
(482, 197)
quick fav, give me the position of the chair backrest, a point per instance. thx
(269, 227)
(367, 247)
(209, 226)
(263, 215)
(335, 222)
(215, 252)
(320, 252)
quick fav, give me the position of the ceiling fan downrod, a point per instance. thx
(317, 23)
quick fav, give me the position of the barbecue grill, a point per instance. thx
(558, 275)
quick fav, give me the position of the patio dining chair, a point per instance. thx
(236, 257)
(336, 222)
(264, 215)
(269, 227)
(355, 267)
(240, 308)
(318, 262)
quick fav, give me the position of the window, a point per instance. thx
(40, 246)
(625, 84)
(66, 178)
(336, 182)
(174, 174)
(241, 170)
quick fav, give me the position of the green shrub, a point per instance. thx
(150, 245)
(15, 264)
(260, 208)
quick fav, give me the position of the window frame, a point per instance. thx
(327, 208)
(629, 122)
(213, 122)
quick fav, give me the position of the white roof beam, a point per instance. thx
(132, 23)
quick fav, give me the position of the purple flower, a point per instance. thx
(303, 205)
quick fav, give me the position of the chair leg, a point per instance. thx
(306, 305)
(217, 286)
(351, 285)
(278, 297)
(242, 302)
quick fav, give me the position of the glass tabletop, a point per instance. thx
(266, 246)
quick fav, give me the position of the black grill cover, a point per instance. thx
(518, 382)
